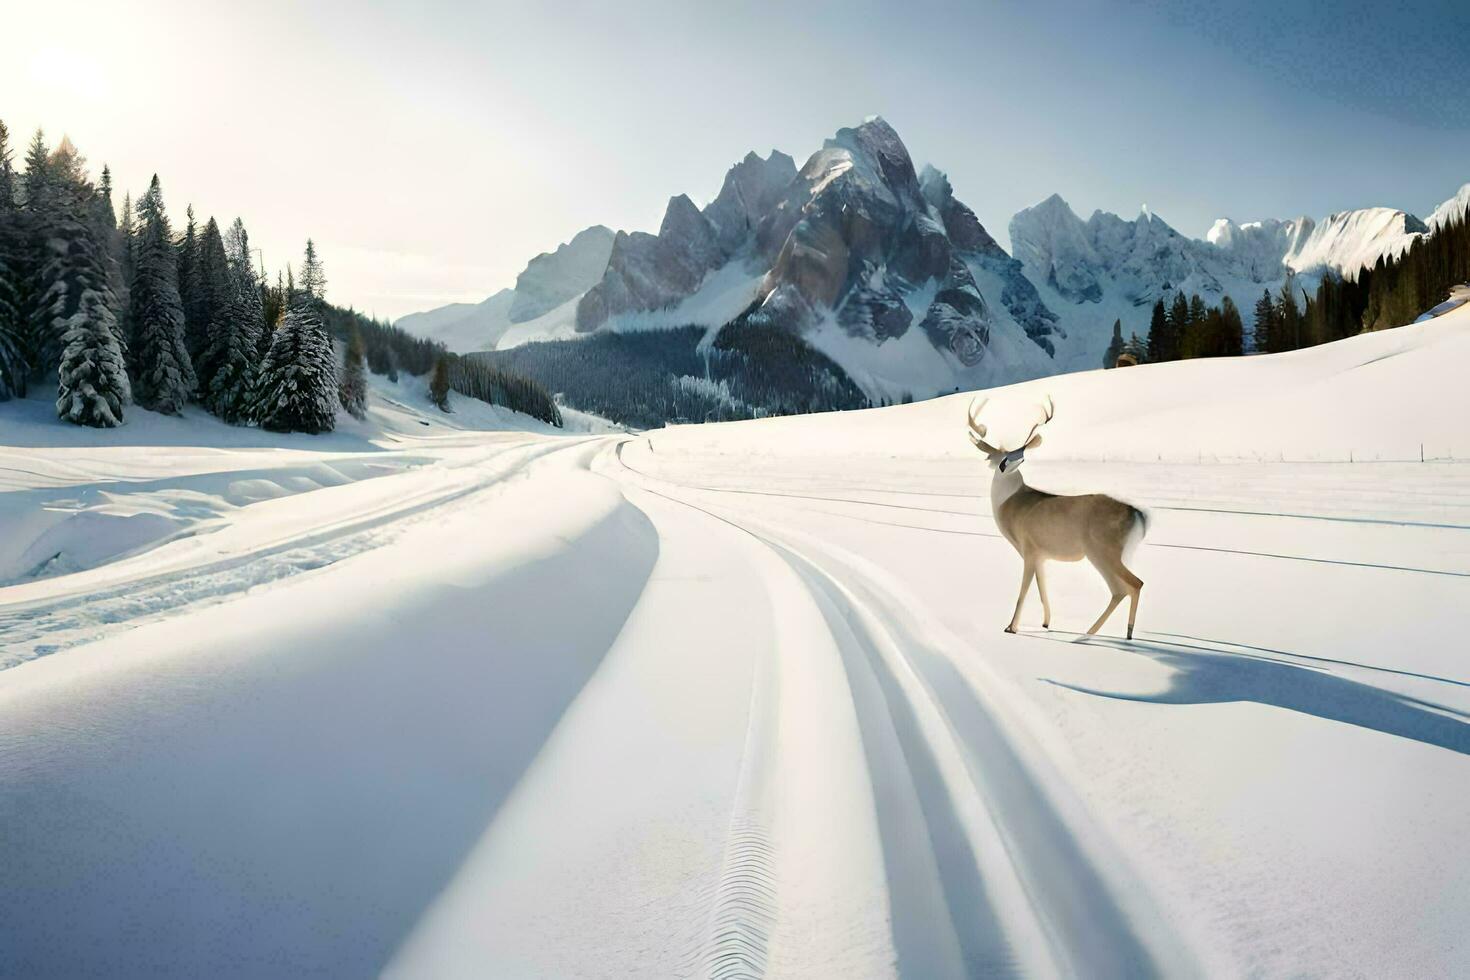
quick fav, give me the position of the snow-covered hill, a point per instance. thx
(200, 476)
(430, 701)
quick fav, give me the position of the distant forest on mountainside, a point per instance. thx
(647, 378)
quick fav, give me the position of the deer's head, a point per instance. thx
(1003, 460)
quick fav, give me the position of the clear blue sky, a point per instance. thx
(432, 147)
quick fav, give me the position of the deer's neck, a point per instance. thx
(1003, 487)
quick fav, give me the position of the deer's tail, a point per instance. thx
(1137, 534)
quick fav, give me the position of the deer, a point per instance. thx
(1045, 527)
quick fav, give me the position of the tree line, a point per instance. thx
(1187, 328)
(648, 378)
(118, 312)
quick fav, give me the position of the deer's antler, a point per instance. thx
(1048, 409)
(977, 429)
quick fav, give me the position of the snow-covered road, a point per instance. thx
(734, 700)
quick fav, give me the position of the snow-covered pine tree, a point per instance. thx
(73, 319)
(313, 276)
(216, 292)
(92, 382)
(38, 215)
(127, 238)
(163, 374)
(105, 220)
(297, 391)
(191, 288)
(13, 366)
(235, 335)
(353, 390)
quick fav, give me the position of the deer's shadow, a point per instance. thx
(1212, 674)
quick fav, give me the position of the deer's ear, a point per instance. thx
(1034, 441)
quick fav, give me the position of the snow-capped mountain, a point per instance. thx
(1349, 241)
(1107, 268)
(881, 268)
(1451, 209)
(651, 272)
(546, 284)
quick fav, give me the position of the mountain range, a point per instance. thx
(880, 267)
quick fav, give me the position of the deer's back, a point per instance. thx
(1065, 528)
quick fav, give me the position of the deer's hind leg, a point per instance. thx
(1122, 582)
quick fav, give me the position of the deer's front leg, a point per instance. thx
(1026, 575)
(1041, 588)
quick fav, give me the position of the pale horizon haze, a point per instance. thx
(431, 149)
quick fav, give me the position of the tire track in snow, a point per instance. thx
(940, 920)
(1027, 857)
(45, 626)
(815, 898)
(743, 904)
(1089, 926)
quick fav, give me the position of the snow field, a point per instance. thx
(734, 700)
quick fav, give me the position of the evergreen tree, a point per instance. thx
(40, 213)
(1197, 310)
(216, 293)
(92, 381)
(1115, 346)
(162, 368)
(74, 334)
(13, 365)
(1175, 322)
(1264, 327)
(8, 187)
(1288, 318)
(127, 236)
(191, 287)
(1158, 329)
(235, 335)
(273, 298)
(313, 276)
(354, 377)
(108, 234)
(298, 378)
(439, 383)
(1232, 329)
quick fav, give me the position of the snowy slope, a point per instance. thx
(79, 500)
(735, 698)
(1455, 207)
(1351, 240)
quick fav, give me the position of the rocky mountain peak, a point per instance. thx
(553, 278)
(751, 190)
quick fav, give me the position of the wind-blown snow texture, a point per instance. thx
(735, 700)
